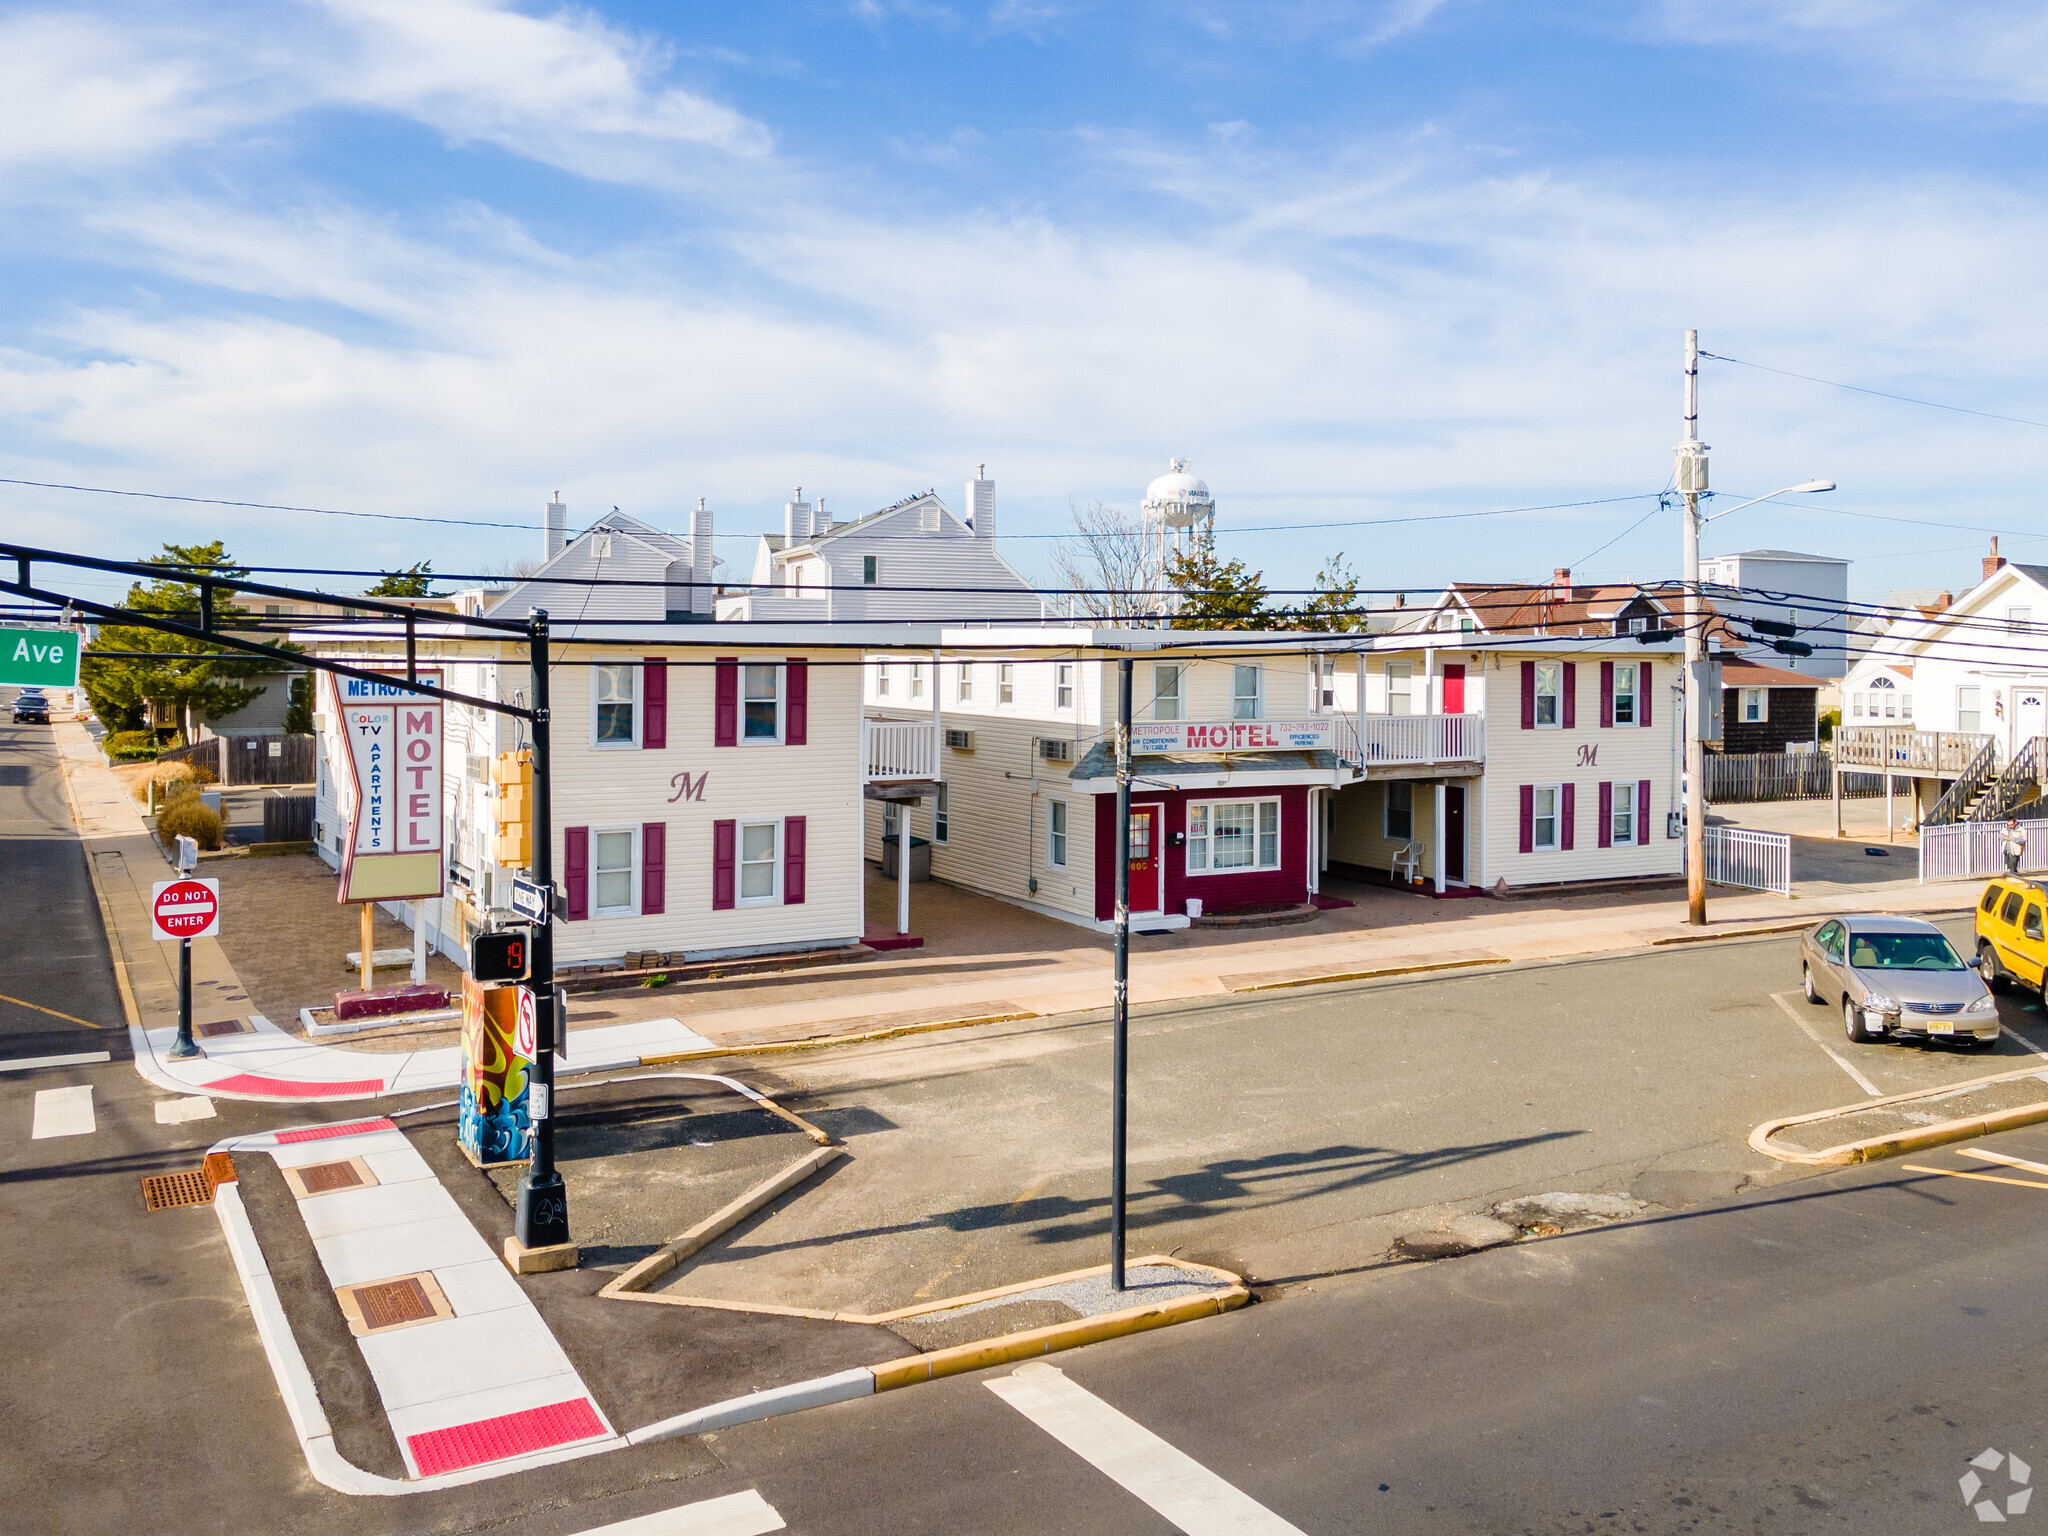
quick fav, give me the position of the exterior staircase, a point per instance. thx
(1974, 787)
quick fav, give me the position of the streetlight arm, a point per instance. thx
(1810, 487)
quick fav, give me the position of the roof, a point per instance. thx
(1779, 554)
(1517, 608)
(1740, 673)
(823, 535)
(1100, 763)
(1885, 922)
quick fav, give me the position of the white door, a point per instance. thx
(2029, 715)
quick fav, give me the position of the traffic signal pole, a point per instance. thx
(1692, 479)
(541, 1217)
(1120, 1018)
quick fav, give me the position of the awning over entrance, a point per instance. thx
(1207, 770)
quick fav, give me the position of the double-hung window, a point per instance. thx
(1056, 833)
(616, 721)
(941, 819)
(917, 679)
(611, 872)
(1230, 836)
(1969, 716)
(892, 819)
(1006, 682)
(1063, 685)
(963, 689)
(868, 571)
(1323, 684)
(1400, 685)
(761, 705)
(1247, 692)
(1756, 706)
(1545, 822)
(2019, 620)
(759, 866)
(881, 679)
(1166, 691)
(1549, 690)
(1400, 810)
(1623, 828)
(1625, 693)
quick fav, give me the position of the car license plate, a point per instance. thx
(1941, 1029)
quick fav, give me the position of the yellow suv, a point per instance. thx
(2010, 932)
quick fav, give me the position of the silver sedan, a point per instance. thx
(1897, 977)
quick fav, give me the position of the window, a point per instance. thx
(1323, 684)
(1225, 836)
(615, 724)
(2018, 619)
(1063, 685)
(1624, 693)
(1056, 834)
(1006, 682)
(1400, 685)
(1990, 899)
(1856, 706)
(917, 679)
(940, 819)
(1400, 810)
(1830, 940)
(1756, 706)
(1967, 716)
(274, 610)
(1467, 627)
(868, 570)
(892, 819)
(1549, 690)
(1905, 706)
(1638, 624)
(1166, 691)
(881, 679)
(1247, 689)
(2032, 927)
(1891, 706)
(2010, 912)
(611, 873)
(761, 703)
(1547, 795)
(758, 864)
(1624, 820)
(963, 686)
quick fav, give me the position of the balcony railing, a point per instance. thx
(1908, 751)
(898, 750)
(1395, 741)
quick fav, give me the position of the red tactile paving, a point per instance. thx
(322, 1132)
(511, 1434)
(285, 1088)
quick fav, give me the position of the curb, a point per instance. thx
(1871, 1148)
(1387, 970)
(115, 951)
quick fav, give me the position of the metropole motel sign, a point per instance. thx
(394, 849)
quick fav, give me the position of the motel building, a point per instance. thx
(1267, 765)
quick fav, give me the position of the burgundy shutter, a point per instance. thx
(1606, 694)
(793, 860)
(1643, 694)
(1528, 814)
(1528, 699)
(724, 857)
(796, 721)
(1569, 713)
(653, 869)
(1566, 805)
(576, 872)
(654, 700)
(1643, 812)
(1606, 814)
(726, 710)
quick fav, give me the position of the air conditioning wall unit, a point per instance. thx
(1056, 751)
(960, 741)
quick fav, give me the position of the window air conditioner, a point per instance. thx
(960, 741)
(1056, 751)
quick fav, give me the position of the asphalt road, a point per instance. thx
(1816, 1355)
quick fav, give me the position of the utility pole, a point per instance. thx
(541, 1216)
(1691, 479)
(1120, 1004)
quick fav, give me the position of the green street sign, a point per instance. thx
(39, 658)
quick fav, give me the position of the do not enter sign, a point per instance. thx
(186, 909)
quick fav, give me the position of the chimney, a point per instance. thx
(981, 505)
(1993, 560)
(558, 526)
(821, 520)
(796, 520)
(1561, 584)
(701, 592)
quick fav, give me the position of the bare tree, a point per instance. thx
(1106, 564)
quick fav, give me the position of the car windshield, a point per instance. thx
(1902, 952)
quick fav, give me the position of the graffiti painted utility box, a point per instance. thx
(493, 1125)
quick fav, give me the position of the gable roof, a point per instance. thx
(1739, 672)
(1513, 608)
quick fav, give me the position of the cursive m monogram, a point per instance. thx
(688, 788)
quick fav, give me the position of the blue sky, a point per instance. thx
(438, 258)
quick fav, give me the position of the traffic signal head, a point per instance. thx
(502, 956)
(513, 775)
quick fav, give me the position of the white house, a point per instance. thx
(1782, 585)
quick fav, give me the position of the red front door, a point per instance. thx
(1454, 688)
(1145, 868)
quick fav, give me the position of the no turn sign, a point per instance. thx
(186, 909)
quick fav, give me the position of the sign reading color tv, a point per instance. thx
(394, 756)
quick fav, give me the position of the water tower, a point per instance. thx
(1180, 517)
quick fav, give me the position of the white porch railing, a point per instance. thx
(1391, 741)
(1754, 861)
(1905, 750)
(898, 749)
(1971, 850)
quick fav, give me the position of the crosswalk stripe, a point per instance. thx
(178, 1111)
(31, 1063)
(1180, 1488)
(64, 1112)
(737, 1514)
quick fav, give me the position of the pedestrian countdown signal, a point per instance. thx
(503, 956)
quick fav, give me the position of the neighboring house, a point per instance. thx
(1767, 709)
(916, 561)
(1555, 608)
(660, 578)
(1782, 585)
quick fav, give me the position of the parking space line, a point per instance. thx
(36, 1063)
(2012, 1034)
(1784, 1001)
(737, 1514)
(1196, 1500)
(2000, 1157)
(1986, 1178)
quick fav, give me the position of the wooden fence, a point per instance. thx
(1736, 778)
(288, 819)
(272, 759)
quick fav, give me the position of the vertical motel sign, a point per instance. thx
(394, 849)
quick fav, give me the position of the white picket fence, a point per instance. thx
(1971, 850)
(1754, 861)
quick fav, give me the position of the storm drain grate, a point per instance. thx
(218, 1027)
(164, 1191)
(380, 1304)
(321, 1178)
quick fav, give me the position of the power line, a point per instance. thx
(1937, 405)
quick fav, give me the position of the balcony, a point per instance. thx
(899, 751)
(1403, 741)
(1937, 754)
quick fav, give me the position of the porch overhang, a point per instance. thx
(1096, 773)
(902, 789)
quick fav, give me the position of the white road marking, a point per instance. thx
(178, 1111)
(1784, 1001)
(1180, 1488)
(737, 1514)
(2023, 1040)
(30, 1063)
(64, 1112)
(1999, 1157)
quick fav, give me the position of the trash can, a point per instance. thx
(920, 859)
(1194, 907)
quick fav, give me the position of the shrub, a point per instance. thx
(189, 816)
(130, 746)
(167, 777)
